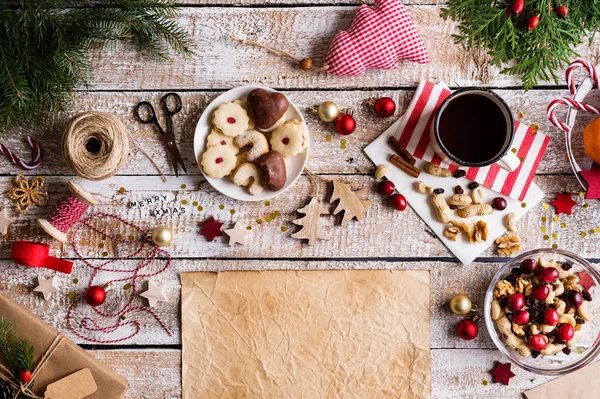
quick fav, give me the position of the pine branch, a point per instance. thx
(8, 343)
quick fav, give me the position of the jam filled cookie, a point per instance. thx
(231, 119)
(289, 139)
(256, 140)
(217, 138)
(268, 110)
(250, 175)
(244, 104)
(218, 161)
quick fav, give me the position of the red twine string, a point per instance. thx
(67, 211)
(142, 270)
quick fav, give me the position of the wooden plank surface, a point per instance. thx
(302, 31)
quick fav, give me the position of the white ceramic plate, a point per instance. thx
(295, 165)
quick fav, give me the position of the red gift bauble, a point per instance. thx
(95, 295)
(467, 329)
(345, 124)
(385, 107)
(25, 376)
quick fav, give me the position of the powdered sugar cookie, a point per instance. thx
(244, 104)
(289, 139)
(256, 140)
(250, 175)
(217, 138)
(231, 119)
(218, 161)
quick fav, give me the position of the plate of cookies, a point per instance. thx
(251, 143)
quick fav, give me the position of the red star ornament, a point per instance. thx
(377, 38)
(211, 228)
(586, 280)
(564, 203)
(502, 373)
(592, 178)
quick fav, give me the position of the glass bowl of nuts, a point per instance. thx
(542, 310)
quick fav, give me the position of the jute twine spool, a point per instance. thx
(95, 145)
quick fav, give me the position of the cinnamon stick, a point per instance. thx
(395, 144)
(405, 166)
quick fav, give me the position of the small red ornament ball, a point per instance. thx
(95, 295)
(25, 376)
(398, 202)
(467, 329)
(386, 187)
(345, 124)
(385, 107)
(562, 11)
(533, 22)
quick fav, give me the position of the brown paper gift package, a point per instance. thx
(306, 334)
(65, 360)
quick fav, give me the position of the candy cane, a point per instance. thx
(571, 103)
(574, 66)
(37, 152)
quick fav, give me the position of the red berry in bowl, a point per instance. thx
(398, 202)
(540, 292)
(551, 317)
(516, 302)
(499, 204)
(386, 187)
(537, 342)
(521, 317)
(574, 298)
(528, 266)
(548, 275)
(566, 332)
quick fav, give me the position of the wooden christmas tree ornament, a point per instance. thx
(312, 224)
(350, 202)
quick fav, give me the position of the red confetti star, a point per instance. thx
(502, 373)
(211, 228)
(586, 280)
(592, 178)
(564, 203)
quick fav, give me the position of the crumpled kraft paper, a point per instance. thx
(306, 334)
(580, 384)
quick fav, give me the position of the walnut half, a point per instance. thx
(508, 244)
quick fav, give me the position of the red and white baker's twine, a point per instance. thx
(67, 211)
(551, 111)
(37, 155)
(130, 275)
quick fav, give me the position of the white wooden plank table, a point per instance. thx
(387, 239)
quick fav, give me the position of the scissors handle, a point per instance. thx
(151, 114)
(172, 103)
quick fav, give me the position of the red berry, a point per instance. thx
(95, 295)
(467, 329)
(566, 332)
(398, 202)
(533, 22)
(528, 266)
(345, 124)
(562, 11)
(516, 302)
(537, 342)
(548, 275)
(540, 292)
(521, 317)
(551, 317)
(574, 298)
(386, 187)
(518, 6)
(385, 107)
(25, 376)
(499, 203)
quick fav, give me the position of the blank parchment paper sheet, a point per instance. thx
(306, 334)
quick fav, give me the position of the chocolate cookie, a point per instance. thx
(273, 168)
(268, 110)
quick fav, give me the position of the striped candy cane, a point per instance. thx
(551, 111)
(37, 155)
(574, 66)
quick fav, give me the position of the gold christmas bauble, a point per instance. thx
(328, 111)
(460, 304)
(161, 236)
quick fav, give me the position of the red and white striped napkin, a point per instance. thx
(413, 134)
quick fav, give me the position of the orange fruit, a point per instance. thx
(591, 140)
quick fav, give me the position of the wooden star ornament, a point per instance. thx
(564, 203)
(502, 373)
(154, 294)
(211, 228)
(350, 202)
(5, 221)
(592, 178)
(46, 287)
(237, 235)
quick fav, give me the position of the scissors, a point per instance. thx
(167, 136)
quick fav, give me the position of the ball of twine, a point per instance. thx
(95, 145)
